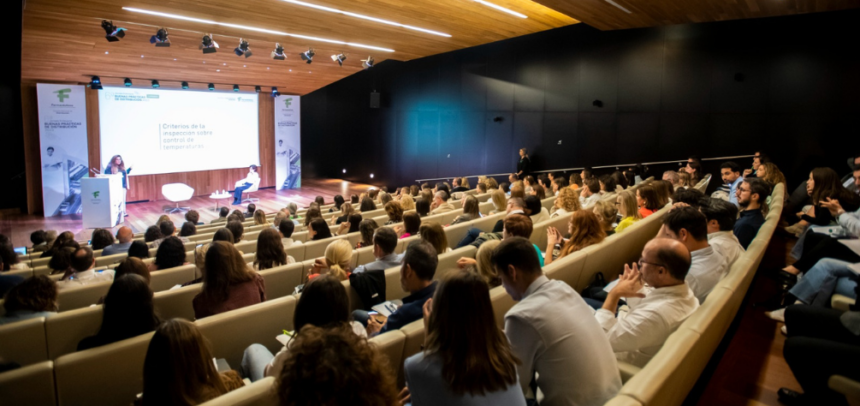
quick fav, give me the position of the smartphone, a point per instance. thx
(21, 250)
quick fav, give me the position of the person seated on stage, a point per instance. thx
(721, 217)
(170, 254)
(286, 229)
(138, 249)
(260, 218)
(440, 203)
(100, 239)
(39, 238)
(252, 208)
(167, 230)
(318, 230)
(653, 314)
(193, 217)
(125, 237)
(270, 251)
(188, 229)
(238, 230)
(83, 263)
(128, 312)
(222, 216)
(245, 184)
(228, 283)
(35, 297)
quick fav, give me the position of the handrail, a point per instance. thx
(596, 167)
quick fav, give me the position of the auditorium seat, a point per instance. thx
(448, 261)
(29, 385)
(282, 280)
(168, 278)
(24, 341)
(414, 342)
(260, 393)
(177, 302)
(82, 296)
(65, 330)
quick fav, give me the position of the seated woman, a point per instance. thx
(59, 242)
(535, 209)
(178, 368)
(170, 254)
(819, 283)
(351, 225)
(566, 203)
(422, 206)
(584, 229)
(324, 303)
(367, 205)
(338, 204)
(407, 203)
(823, 184)
(411, 225)
(367, 227)
(771, 174)
(500, 201)
(471, 210)
(647, 200)
(152, 233)
(128, 312)
(684, 180)
(133, 266)
(337, 261)
(467, 359)
(538, 191)
(433, 233)
(482, 264)
(575, 181)
(61, 261)
(394, 212)
(345, 211)
(188, 229)
(245, 184)
(101, 238)
(607, 184)
(222, 234)
(312, 214)
(260, 218)
(628, 209)
(138, 249)
(318, 230)
(606, 215)
(228, 282)
(35, 297)
(270, 251)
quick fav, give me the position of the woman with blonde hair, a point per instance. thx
(684, 180)
(491, 184)
(499, 200)
(260, 218)
(607, 214)
(337, 261)
(585, 230)
(433, 233)
(770, 174)
(345, 210)
(464, 182)
(482, 264)
(629, 210)
(566, 203)
(407, 202)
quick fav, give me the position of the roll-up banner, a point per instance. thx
(62, 146)
(288, 143)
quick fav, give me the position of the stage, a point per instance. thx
(144, 214)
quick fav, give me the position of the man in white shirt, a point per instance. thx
(690, 227)
(286, 227)
(654, 313)
(440, 203)
(721, 216)
(590, 193)
(553, 334)
(83, 264)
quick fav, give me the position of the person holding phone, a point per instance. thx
(115, 166)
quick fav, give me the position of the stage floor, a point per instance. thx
(144, 214)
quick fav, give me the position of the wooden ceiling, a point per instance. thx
(64, 42)
(602, 15)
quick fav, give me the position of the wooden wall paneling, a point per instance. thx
(32, 157)
(267, 140)
(94, 149)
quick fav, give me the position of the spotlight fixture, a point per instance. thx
(208, 44)
(127, 82)
(243, 48)
(278, 53)
(185, 85)
(308, 56)
(211, 86)
(235, 88)
(160, 38)
(112, 32)
(275, 92)
(95, 83)
(339, 58)
(367, 63)
(155, 84)
(257, 89)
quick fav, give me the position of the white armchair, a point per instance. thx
(254, 187)
(177, 192)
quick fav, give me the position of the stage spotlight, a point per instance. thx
(257, 89)
(160, 38)
(339, 58)
(308, 56)
(211, 86)
(95, 83)
(185, 85)
(112, 33)
(275, 92)
(243, 48)
(278, 53)
(155, 84)
(208, 44)
(367, 63)
(127, 82)
(235, 88)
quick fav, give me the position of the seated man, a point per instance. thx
(752, 198)
(638, 333)
(721, 216)
(384, 243)
(416, 277)
(590, 193)
(286, 227)
(124, 238)
(458, 187)
(566, 349)
(440, 203)
(251, 209)
(167, 230)
(222, 216)
(690, 227)
(731, 175)
(673, 178)
(193, 217)
(39, 238)
(83, 273)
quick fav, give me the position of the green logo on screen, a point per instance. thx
(63, 94)
(96, 194)
(288, 101)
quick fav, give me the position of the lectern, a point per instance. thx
(101, 201)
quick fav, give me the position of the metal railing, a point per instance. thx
(721, 158)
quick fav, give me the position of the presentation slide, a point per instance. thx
(168, 131)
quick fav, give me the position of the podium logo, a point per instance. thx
(288, 101)
(63, 94)
(96, 194)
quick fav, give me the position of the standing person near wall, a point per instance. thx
(524, 164)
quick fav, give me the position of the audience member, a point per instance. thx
(394, 212)
(385, 198)
(222, 216)
(101, 238)
(161, 219)
(228, 282)
(647, 200)
(673, 178)
(384, 243)
(188, 229)
(337, 261)
(554, 348)
(128, 312)
(684, 180)
(367, 205)
(167, 230)
(260, 218)
(82, 262)
(10, 259)
(575, 181)
(318, 230)
(516, 190)
(338, 203)
(440, 203)
(39, 239)
(433, 233)
(653, 315)
(664, 192)
(694, 168)
(535, 209)
(770, 173)
(407, 203)
(471, 210)
(411, 225)
(138, 249)
(367, 227)
(731, 175)
(590, 193)
(606, 214)
(499, 201)
(752, 195)
(62, 238)
(252, 208)
(628, 208)
(584, 229)
(491, 184)
(35, 297)
(125, 237)
(170, 254)
(422, 207)
(286, 229)
(690, 227)
(566, 203)
(721, 216)
(133, 266)
(586, 174)
(607, 184)
(61, 262)
(270, 251)
(481, 188)
(691, 197)
(312, 214)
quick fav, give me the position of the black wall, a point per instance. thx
(14, 194)
(667, 92)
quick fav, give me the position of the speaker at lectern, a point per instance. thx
(101, 201)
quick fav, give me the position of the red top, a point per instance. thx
(646, 212)
(239, 296)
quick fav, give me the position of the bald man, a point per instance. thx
(653, 312)
(124, 237)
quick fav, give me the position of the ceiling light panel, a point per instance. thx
(502, 9)
(255, 29)
(364, 17)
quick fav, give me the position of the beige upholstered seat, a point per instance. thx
(282, 280)
(176, 303)
(414, 333)
(24, 341)
(260, 393)
(77, 297)
(65, 330)
(29, 385)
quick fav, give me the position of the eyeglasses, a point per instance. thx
(641, 261)
(742, 189)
